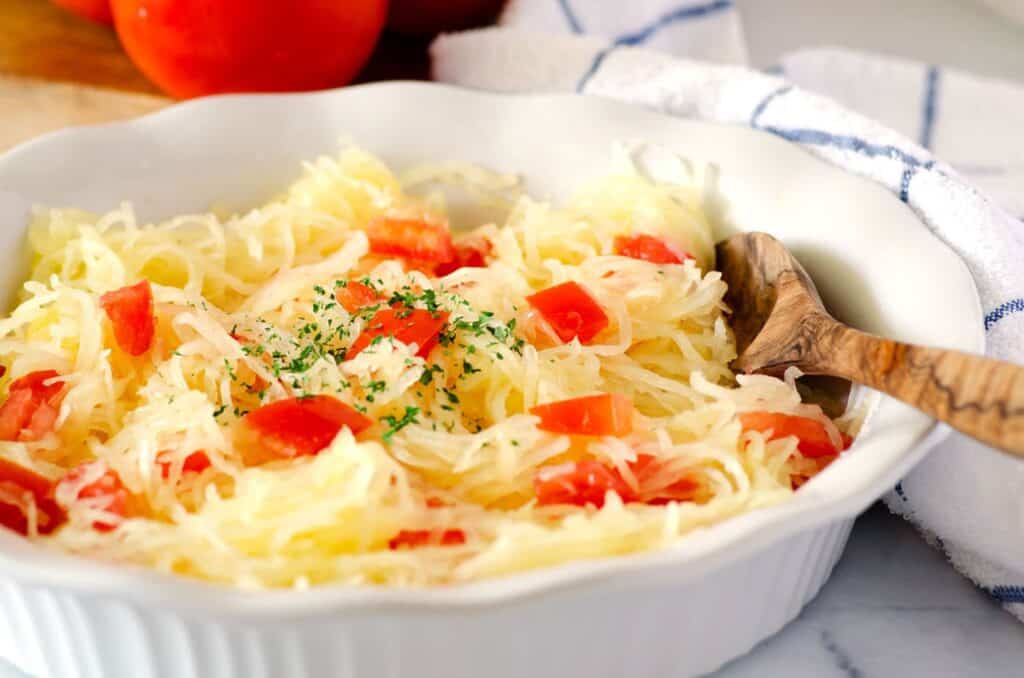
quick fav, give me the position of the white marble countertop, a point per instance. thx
(893, 607)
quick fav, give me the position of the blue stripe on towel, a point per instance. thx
(931, 91)
(679, 14)
(593, 68)
(817, 137)
(1007, 594)
(570, 16)
(764, 103)
(1003, 310)
(814, 137)
(908, 174)
(641, 35)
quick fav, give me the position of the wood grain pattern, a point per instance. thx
(40, 40)
(29, 108)
(57, 70)
(780, 322)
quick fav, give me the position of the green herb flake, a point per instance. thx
(397, 424)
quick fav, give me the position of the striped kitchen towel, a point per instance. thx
(879, 118)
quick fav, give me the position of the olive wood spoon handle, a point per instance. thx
(780, 322)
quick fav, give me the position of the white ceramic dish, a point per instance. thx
(678, 612)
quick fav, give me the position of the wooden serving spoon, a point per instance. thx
(780, 322)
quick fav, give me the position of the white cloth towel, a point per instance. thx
(967, 499)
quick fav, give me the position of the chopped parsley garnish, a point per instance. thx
(304, 360)
(324, 330)
(253, 349)
(395, 424)
(428, 374)
(374, 387)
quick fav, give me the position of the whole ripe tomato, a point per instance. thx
(190, 48)
(93, 10)
(435, 16)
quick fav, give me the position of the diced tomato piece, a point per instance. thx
(411, 239)
(16, 413)
(355, 295)
(197, 462)
(303, 426)
(580, 483)
(650, 248)
(416, 538)
(797, 480)
(471, 253)
(31, 407)
(108, 486)
(435, 502)
(130, 310)
(646, 467)
(42, 422)
(409, 326)
(813, 439)
(17, 485)
(37, 484)
(587, 482)
(571, 311)
(605, 414)
(424, 266)
(36, 382)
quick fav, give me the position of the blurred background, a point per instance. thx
(64, 62)
(164, 50)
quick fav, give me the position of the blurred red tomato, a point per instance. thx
(94, 10)
(194, 47)
(435, 16)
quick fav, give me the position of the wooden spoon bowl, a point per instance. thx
(780, 322)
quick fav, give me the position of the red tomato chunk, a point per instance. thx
(472, 253)
(580, 483)
(605, 414)
(649, 248)
(813, 439)
(411, 239)
(18, 487)
(303, 426)
(587, 482)
(108, 487)
(571, 311)
(416, 538)
(646, 469)
(356, 295)
(197, 462)
(130, 310)
(32, 405)
(409, 326)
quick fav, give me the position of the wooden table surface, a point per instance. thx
(40, 40)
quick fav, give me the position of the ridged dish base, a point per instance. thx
(621, 632)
